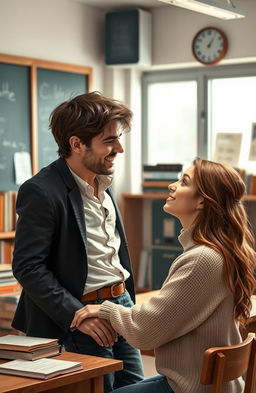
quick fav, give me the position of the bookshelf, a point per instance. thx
(135, 218)
(7, 235)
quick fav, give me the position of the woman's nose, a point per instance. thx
(172, 187)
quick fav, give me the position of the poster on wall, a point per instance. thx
(227, 148)
(252, 154)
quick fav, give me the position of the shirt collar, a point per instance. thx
(104, 181)
(185, 238)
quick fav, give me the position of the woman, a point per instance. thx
(206, 295)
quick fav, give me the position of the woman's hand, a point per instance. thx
(86, 320)
(89, 311)
(100, 330)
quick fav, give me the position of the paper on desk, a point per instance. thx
(41, 368)
(22, 165)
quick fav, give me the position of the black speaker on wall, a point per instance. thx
(128, 38)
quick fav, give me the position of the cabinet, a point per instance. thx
(136, 212)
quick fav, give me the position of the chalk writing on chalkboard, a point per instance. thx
(14, 120)
(5, 92)
(54, 87)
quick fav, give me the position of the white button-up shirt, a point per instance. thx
(102, 237)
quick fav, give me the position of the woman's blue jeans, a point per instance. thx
(132, 371)
(157, 384)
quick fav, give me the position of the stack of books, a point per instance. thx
(8, 305)
(7, 280)
(156, 178)
(28, 348)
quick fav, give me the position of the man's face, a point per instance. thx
(99, 157)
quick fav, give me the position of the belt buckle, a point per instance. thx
(112, 288)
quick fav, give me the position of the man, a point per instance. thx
(70, 246)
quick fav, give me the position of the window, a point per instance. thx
(172, 109)
(184, 110)
(232, 109)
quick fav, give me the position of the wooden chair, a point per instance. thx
(223, 364)
(250, 327)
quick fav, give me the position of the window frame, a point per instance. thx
(202, 75)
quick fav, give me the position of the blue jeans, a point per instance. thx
(132, 372)
(157, 384)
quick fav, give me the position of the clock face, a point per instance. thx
(210, 45)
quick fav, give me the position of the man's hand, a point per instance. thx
(89, 311)
(100, 330)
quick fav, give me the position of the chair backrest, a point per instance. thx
(250, 327)
(223, 364)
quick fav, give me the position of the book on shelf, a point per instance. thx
(44, 368)
(8, 214)
(170, 176)
(5, 324)
(163, 168)
(156, 186)
(7, 280)
(10, 297)
(9, 287)
(5, 267)
(6, 251)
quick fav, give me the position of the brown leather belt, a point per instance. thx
(114, 290)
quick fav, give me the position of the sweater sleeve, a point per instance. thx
(192, 291)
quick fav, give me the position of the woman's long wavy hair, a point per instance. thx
(222, 224)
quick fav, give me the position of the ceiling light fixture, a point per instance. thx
(210, 7)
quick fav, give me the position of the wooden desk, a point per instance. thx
(88, 380)
(145, 296)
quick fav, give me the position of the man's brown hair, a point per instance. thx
(86, 116)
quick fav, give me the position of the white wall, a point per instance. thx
(174, 29)
(56, 30)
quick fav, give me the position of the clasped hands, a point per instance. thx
(87, 321)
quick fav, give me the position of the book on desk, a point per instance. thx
(42, 368)
(29, 348)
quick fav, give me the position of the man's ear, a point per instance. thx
(75, 143)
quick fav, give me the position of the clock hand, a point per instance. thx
(210, 43)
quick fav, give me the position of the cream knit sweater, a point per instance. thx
(192, 312)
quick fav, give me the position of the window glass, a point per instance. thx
(172, 122)
(232, 109)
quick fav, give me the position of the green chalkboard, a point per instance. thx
(54, 87)
(14, 119)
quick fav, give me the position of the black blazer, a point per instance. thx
(50, 260)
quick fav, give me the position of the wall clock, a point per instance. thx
(210, 45)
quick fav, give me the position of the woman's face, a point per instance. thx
(183, 201)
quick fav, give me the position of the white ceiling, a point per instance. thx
(121, 4)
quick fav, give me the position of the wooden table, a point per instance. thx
(88, 380)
